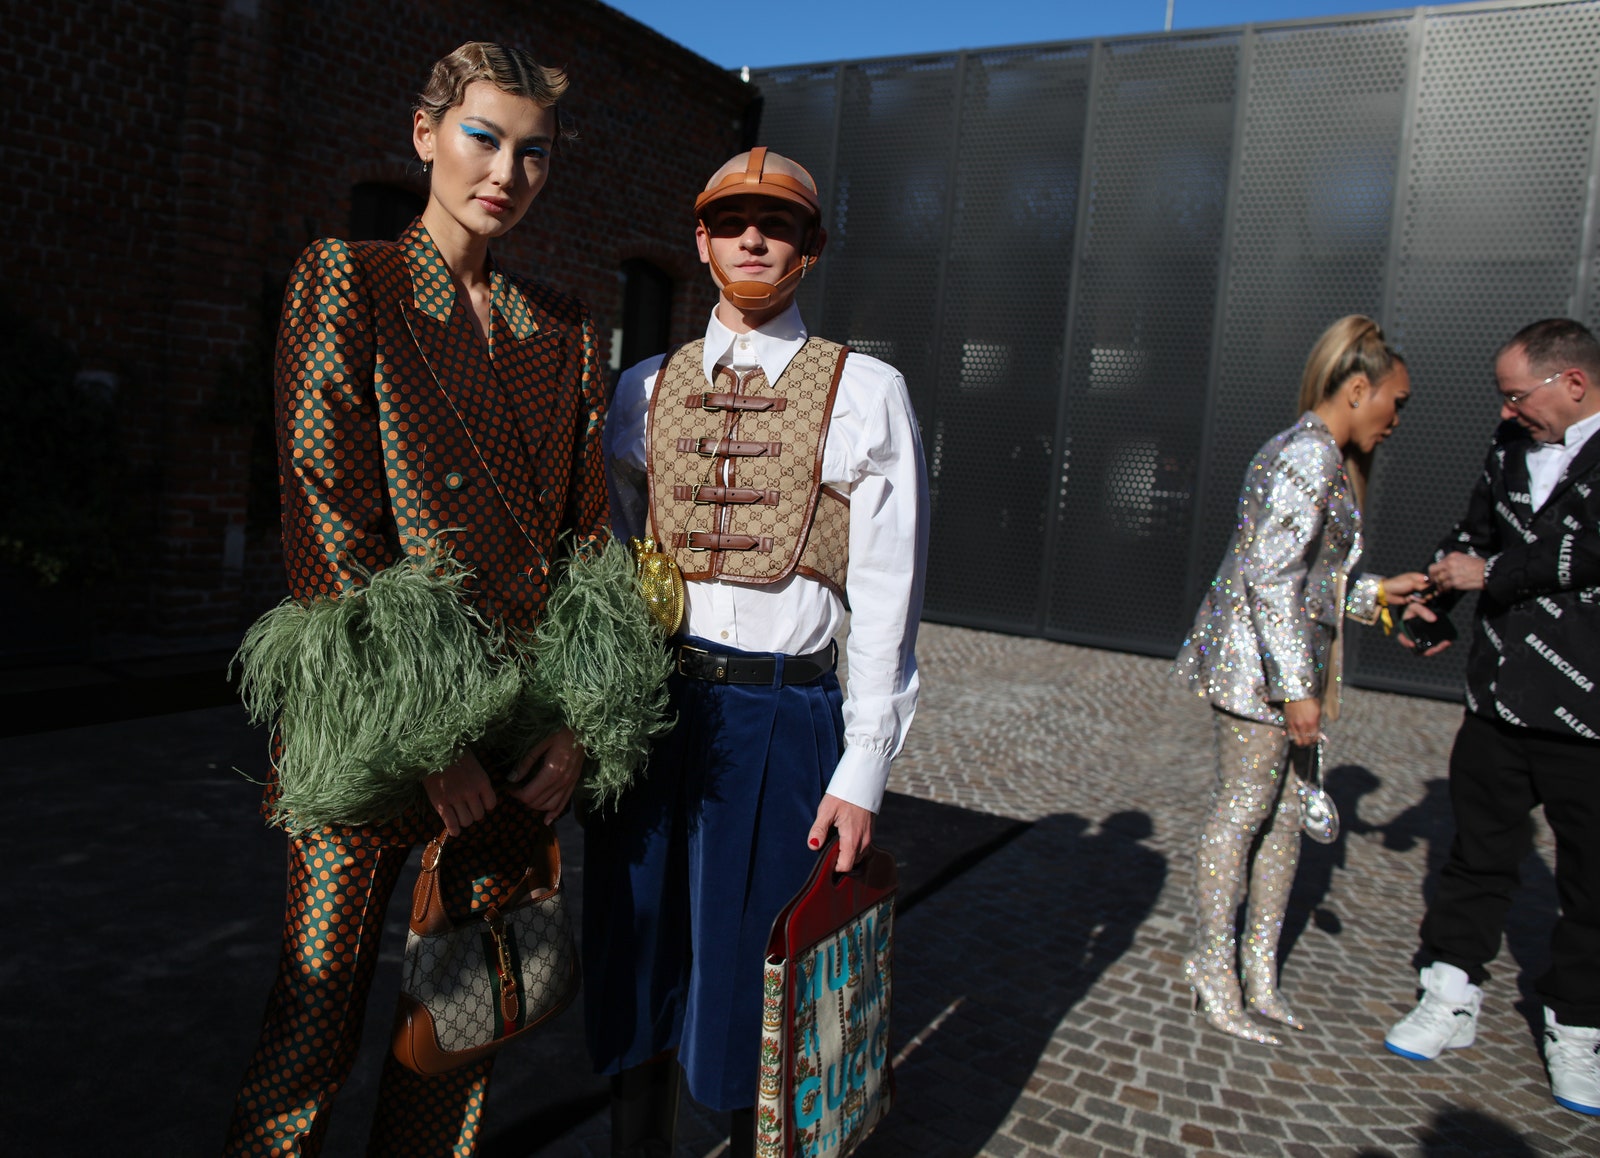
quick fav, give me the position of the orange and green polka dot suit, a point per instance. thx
(397, 423)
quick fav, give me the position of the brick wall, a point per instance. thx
(175, 158)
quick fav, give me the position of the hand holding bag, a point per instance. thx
(466, 989)
(825, 1079)
(1319, 816)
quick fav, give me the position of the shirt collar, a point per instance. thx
(775, 342)
(1312, 421)
(1577, 434)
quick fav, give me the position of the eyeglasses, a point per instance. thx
(1515, 401)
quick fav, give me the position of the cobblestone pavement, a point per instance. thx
(1038, 1004)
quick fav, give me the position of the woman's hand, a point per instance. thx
(559, 757)
(1302, 719)
(1398, 589)
(461, 794)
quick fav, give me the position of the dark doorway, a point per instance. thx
(646, 311)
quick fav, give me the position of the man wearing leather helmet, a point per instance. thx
(782, 474)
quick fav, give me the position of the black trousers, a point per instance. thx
(1498, 775)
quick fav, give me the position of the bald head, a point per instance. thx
(762, 173)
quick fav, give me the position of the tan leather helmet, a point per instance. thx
(765, 174)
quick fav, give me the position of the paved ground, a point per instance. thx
(1038, 1004)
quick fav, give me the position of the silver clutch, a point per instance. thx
(1319, 816)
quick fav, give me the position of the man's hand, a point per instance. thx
(461, 794)
(1302, 719)
(560, 761)
(855, 830)
(1421, 611)
(1458, 571)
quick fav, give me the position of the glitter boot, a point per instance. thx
(1250, 777)
(1271, 876)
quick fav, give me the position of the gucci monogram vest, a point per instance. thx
(736, 469)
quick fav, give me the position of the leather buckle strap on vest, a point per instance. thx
(729, 448)
(704, 493)
(712, 541)
(720, 668)
(711, 401)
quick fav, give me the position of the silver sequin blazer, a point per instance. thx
(1268, 630)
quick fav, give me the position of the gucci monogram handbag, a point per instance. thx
(466, 989)
(825, 1079)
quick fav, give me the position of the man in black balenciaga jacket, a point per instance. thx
(1530, 545)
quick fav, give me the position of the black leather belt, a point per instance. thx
(722, 668)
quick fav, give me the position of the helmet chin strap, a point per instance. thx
(758, 295)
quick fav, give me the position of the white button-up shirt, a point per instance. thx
(1547, 461)
(872, 453)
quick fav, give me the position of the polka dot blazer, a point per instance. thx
(396, 423)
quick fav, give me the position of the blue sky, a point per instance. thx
(819, 30)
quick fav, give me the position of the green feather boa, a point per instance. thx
(597, 664)
(377, 689)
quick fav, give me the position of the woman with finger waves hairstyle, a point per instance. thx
(1265, 651)
(462, 644)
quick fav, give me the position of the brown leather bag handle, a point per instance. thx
(540, 880)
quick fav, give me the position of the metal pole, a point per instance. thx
(1168, 26)
(1059, 479)
(1201, 567)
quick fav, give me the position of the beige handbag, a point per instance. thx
(467, 989)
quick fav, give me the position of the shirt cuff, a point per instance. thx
(860, 778)
(1488, 569)
(1361, 601)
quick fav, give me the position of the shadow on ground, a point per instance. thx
(974, 1014)
(1456, 1133)
(1429, 822)
(145, 901)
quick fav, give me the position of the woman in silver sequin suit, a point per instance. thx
(1265, 650)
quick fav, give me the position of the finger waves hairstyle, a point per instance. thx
(1352, 345)
(509, 69)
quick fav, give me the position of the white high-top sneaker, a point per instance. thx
(1445, 1018)
(1572, 1055)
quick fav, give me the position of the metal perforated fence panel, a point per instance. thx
(801, 109)
(991, 420)
(1309, 240)
(1100, 266)
(1488, 238)
(1139, 338)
